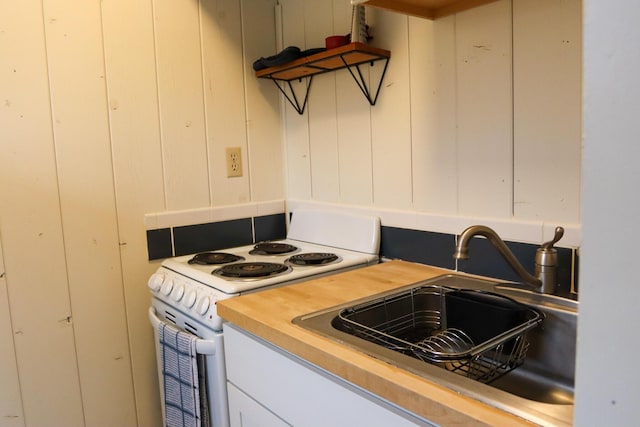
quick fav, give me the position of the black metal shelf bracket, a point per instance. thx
(286, 88)
(359, 79)
(291, 96)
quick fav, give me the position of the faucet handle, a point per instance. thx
(559, 232)
(547, 263)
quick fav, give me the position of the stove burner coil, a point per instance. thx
(313, 258)
(251, 270)
(211, 258)
(271, 248)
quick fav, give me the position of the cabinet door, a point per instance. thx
(301, 393)
(246, 412)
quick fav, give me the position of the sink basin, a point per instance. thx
(538, 387)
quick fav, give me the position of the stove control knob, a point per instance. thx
(178, 292)
(167, 287)
(203, 306)
(155, 281)
(190, 299)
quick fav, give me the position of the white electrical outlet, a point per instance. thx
(234, 161)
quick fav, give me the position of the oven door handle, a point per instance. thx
(207, 347)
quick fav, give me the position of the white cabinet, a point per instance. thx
(246, 412)
(271, 387)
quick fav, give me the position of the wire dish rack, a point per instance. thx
(477, 334)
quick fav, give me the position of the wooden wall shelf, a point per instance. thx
(350, 56)
(430, 9)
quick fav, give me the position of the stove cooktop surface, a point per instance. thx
(247, 263)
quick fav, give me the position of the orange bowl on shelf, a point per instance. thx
(336, 41)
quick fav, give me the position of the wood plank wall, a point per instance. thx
(479, 114)
(111, 110)
(10, 403)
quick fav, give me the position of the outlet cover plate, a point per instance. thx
(234, 161)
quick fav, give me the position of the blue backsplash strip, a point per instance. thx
(214, 236)
(425, 247)
(159, 243)
(270, 227)
(437, 249)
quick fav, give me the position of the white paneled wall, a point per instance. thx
(181, 101)
(547, 109)
(433, 115)
(262, 113)
(111, 110)
(484, 111)
(39, 302)
(87, 206)
(224, 94)
(10, 403)
(390, 124)
(298, 164)
(478, 115)
(323, 133)
(138, 168)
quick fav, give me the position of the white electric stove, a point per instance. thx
(185, 289)
(318, 243)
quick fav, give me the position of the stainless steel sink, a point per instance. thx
(540, 389)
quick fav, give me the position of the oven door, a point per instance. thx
(213, 385)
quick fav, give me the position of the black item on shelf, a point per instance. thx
(312, 51)
(288, 54)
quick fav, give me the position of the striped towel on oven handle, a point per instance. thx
(180, 377)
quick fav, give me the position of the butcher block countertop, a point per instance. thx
(268, 315)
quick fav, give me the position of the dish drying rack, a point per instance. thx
(477, 334)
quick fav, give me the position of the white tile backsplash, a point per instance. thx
(158, 220)
(513, 230)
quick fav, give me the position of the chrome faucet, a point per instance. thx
(544, 280)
